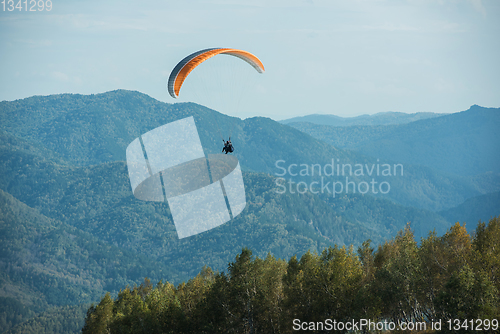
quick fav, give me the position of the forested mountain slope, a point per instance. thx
(72, 229)
(66, 126)
(474, 209)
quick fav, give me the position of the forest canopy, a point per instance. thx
(454, 276)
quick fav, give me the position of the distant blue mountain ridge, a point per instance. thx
(464, 143)
(382, 118)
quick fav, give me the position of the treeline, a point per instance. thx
(454, 276)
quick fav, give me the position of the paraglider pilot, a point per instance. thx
(228, 146)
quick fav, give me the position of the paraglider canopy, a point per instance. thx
(188, 64)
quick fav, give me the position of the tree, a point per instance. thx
(468, 294)
(487, 245)
(269, 297)
(396, 278)
(99, 317)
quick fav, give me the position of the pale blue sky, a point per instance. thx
(321, 56)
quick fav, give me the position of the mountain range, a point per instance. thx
(382, 118)
(72, 230)
(463, 143)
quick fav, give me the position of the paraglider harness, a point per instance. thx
(228, 146)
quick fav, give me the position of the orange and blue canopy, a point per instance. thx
(188, 64)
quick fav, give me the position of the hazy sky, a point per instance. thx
(346, 58)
